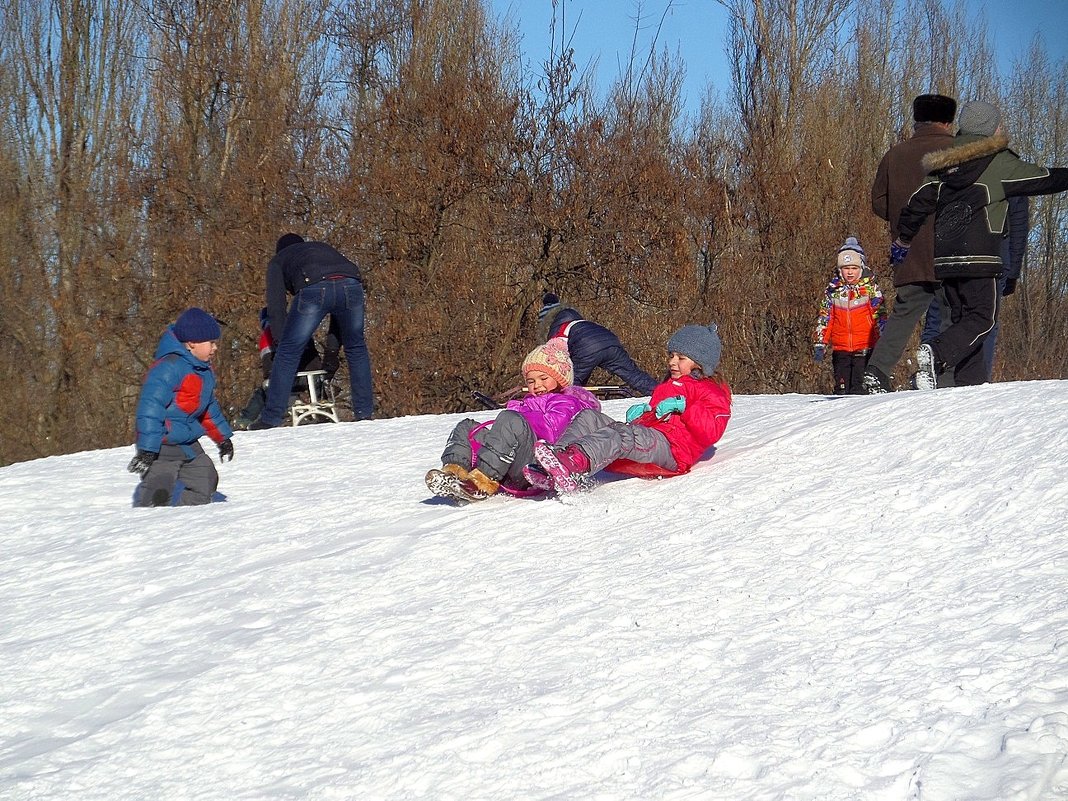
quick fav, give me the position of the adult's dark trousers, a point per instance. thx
(990, 343)
(973, 308)
(344, 299)
(910, 304)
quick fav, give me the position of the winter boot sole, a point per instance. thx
(538, 478)
(926, 376)
(872, 385)
(563, 481)
(448, 486)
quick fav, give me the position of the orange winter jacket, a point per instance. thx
(851, 317)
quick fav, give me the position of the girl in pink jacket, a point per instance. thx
(481, 459)
(665, 437)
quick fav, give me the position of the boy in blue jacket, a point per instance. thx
(177, 407)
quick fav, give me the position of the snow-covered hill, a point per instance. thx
(855, 598)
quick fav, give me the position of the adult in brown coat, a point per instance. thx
(900, 173)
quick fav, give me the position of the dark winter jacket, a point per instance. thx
(900, 173)
(296, 267)
(177, 404)
(591, 345)
(967, 193)
(1014, 245)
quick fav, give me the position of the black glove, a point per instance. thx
(226, 450)
(1010, 287)
(141, 463)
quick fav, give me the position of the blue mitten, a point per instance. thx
(636, 411)
(818, 352)
(898, 252)
(676, 403)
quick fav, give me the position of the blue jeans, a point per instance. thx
(343, 299)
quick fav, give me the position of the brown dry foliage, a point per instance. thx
(153, 150)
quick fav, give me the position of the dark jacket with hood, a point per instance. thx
(967, 192)
(900, 172)
(591, 345)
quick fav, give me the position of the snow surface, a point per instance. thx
(855, 598)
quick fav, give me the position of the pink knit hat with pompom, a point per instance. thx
(551, 359)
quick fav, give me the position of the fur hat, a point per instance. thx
(979, 118)
(553, 360)
(933, 108)
(285, 240)
(196, 325)
(851, 254)
(549, 303)
(700, 343)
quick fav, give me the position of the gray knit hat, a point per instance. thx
(701, 343)
(978, 118)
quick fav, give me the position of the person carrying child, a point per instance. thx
(852, 315)
(176, 408)
(481, 459)
(685, 415)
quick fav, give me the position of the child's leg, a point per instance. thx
(585, 422)
(157, 486)
(857, 365)
(199, 477)
(506, 446)
(458, 447)
(841, 365)
(622, 441)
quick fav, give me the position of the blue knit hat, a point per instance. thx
(196, 325)
(700, 343)
(550, 303)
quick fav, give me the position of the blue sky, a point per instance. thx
(604, 31)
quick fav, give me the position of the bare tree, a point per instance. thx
(73, 113)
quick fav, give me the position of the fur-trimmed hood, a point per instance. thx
(975, 151)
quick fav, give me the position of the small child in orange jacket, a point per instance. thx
(852, 315)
